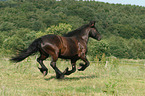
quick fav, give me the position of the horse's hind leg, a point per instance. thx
(43, 68)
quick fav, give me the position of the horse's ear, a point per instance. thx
(92, 23)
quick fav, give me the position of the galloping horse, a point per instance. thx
(71, 46)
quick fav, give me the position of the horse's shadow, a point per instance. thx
(73, 78)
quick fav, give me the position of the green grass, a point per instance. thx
(117, 79)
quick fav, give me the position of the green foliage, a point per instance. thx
(74, 21)
(60, 29)
(1, 40)
(16, 42)
(125, 31)
(6, 26)
(39, 34)
(118, 24)
(12, 43)
(88, 11)
(136, 48)
(118, 46)
(97, 49)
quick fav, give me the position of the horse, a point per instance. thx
(72, 46)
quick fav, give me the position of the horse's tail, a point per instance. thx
(33, 48)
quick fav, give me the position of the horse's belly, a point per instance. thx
(68, 56)
(70, 53)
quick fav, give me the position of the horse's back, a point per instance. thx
(51, 39)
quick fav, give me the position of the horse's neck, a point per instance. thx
(85, 36)
(85, 39)
(82, 41)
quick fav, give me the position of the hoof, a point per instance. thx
(82, 67)
(60, 76)
(43, 71)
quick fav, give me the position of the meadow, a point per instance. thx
(116, 77)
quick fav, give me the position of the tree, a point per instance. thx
(136, 48)
(118, 47)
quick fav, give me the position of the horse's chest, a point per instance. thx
(81, 49)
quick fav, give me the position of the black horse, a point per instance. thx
(71, 46)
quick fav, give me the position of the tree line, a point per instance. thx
(121, 26)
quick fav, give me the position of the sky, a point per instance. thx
(132, 2)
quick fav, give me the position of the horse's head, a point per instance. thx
(94, 32)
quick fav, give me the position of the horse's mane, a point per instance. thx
(76, 32)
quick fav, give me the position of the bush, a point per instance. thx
(60, 29)
(13, 43)
(19, 41)
(7, 26)
(97, 49)
(118, 47)
(39, 34)
(136, 48)
(1, 40)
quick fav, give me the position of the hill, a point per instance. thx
(122, 26)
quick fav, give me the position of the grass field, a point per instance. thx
(116, 78)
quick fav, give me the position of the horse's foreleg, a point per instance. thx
(84, 66)
(59, 74)
(67, 72)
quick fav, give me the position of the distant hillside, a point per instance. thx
(35, 16)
